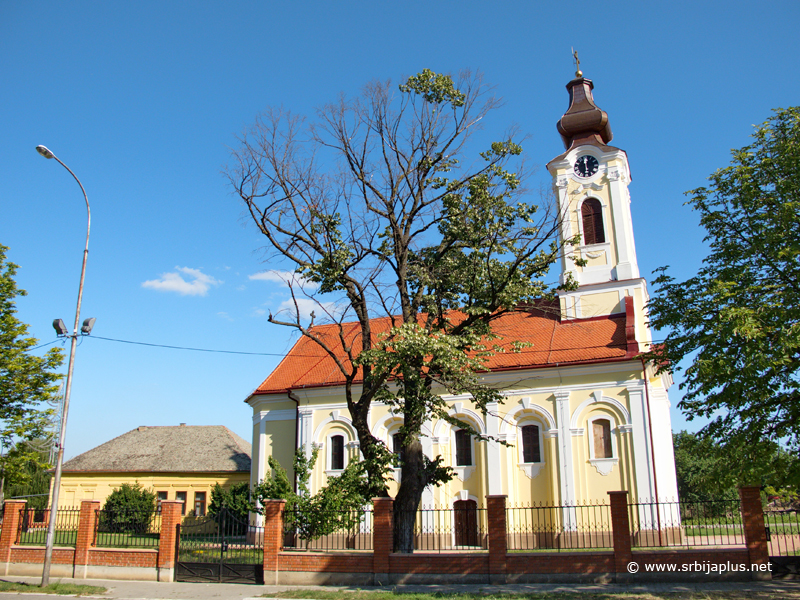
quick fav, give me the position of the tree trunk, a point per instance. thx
(412, 484)
(359, 412)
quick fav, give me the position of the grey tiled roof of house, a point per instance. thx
(206, 448)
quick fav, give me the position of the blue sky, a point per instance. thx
(143, 100)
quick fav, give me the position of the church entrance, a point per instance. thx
(466, 523)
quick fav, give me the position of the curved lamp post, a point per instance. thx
(61, 330)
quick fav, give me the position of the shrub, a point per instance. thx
(128, 509)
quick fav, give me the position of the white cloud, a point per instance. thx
(306, 305)
(284, 277)
(224, 315)
(185, 281)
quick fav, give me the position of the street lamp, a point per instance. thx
(61, 329)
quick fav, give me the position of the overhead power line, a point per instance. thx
(97, 337)
(620, 345)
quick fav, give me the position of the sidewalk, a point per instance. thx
(150, 590)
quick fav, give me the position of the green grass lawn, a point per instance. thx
(54, 588)
(104, 540)
(248, 555)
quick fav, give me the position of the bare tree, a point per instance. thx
(370, 205)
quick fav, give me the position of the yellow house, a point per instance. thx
(583, 413)
(178, 463)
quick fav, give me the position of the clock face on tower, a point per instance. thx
(586, 166)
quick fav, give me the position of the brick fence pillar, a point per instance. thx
(12, 514)
(273, 538)
(87, 526)
(169, 539)
(498, 543)
(621, 535)
(755, 534)
(382, 538)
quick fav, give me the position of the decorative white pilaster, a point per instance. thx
(662, 440)
(305, 434)
(627, 266)
(566, 469)
(259, 474)
(641, 440)
(493, 472)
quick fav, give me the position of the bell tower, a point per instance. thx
(591, 183)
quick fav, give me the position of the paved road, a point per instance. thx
(147, 590)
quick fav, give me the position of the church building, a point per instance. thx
(583, 414)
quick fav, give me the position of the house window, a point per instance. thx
(531, 452)
(463, 448)
(199, 504)
(159, 497)
(601, 438)
(181, 496)
(592, 219)
(337, 452)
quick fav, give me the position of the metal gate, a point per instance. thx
(783, 540)
(221, 548)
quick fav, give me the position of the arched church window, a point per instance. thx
(601, 436)
(463, 448)
(337, 452)
(592, 219)
(397, 448)
(531, 453)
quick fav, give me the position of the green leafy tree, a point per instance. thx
(336, 507)
(738, 320)
(708, 470)
(236, 499)
(27, 382)
(381, 207)
(129, 509)
(34, 484)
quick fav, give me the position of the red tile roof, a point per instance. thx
(553, 341)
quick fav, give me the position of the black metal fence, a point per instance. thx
(550, 527)
(33, 530)
(783, 529)
(438, 529)
(334, 530)
(686, 524)
(127, 529)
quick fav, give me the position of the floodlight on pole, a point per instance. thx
(60, 327)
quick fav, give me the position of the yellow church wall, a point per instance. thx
(521, 489)
(603, 303)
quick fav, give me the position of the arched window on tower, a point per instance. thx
(592, 219)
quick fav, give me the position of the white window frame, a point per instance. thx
(531, 469)
(329, 470)
(391, 432)
(603, 465)
(463, 472)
